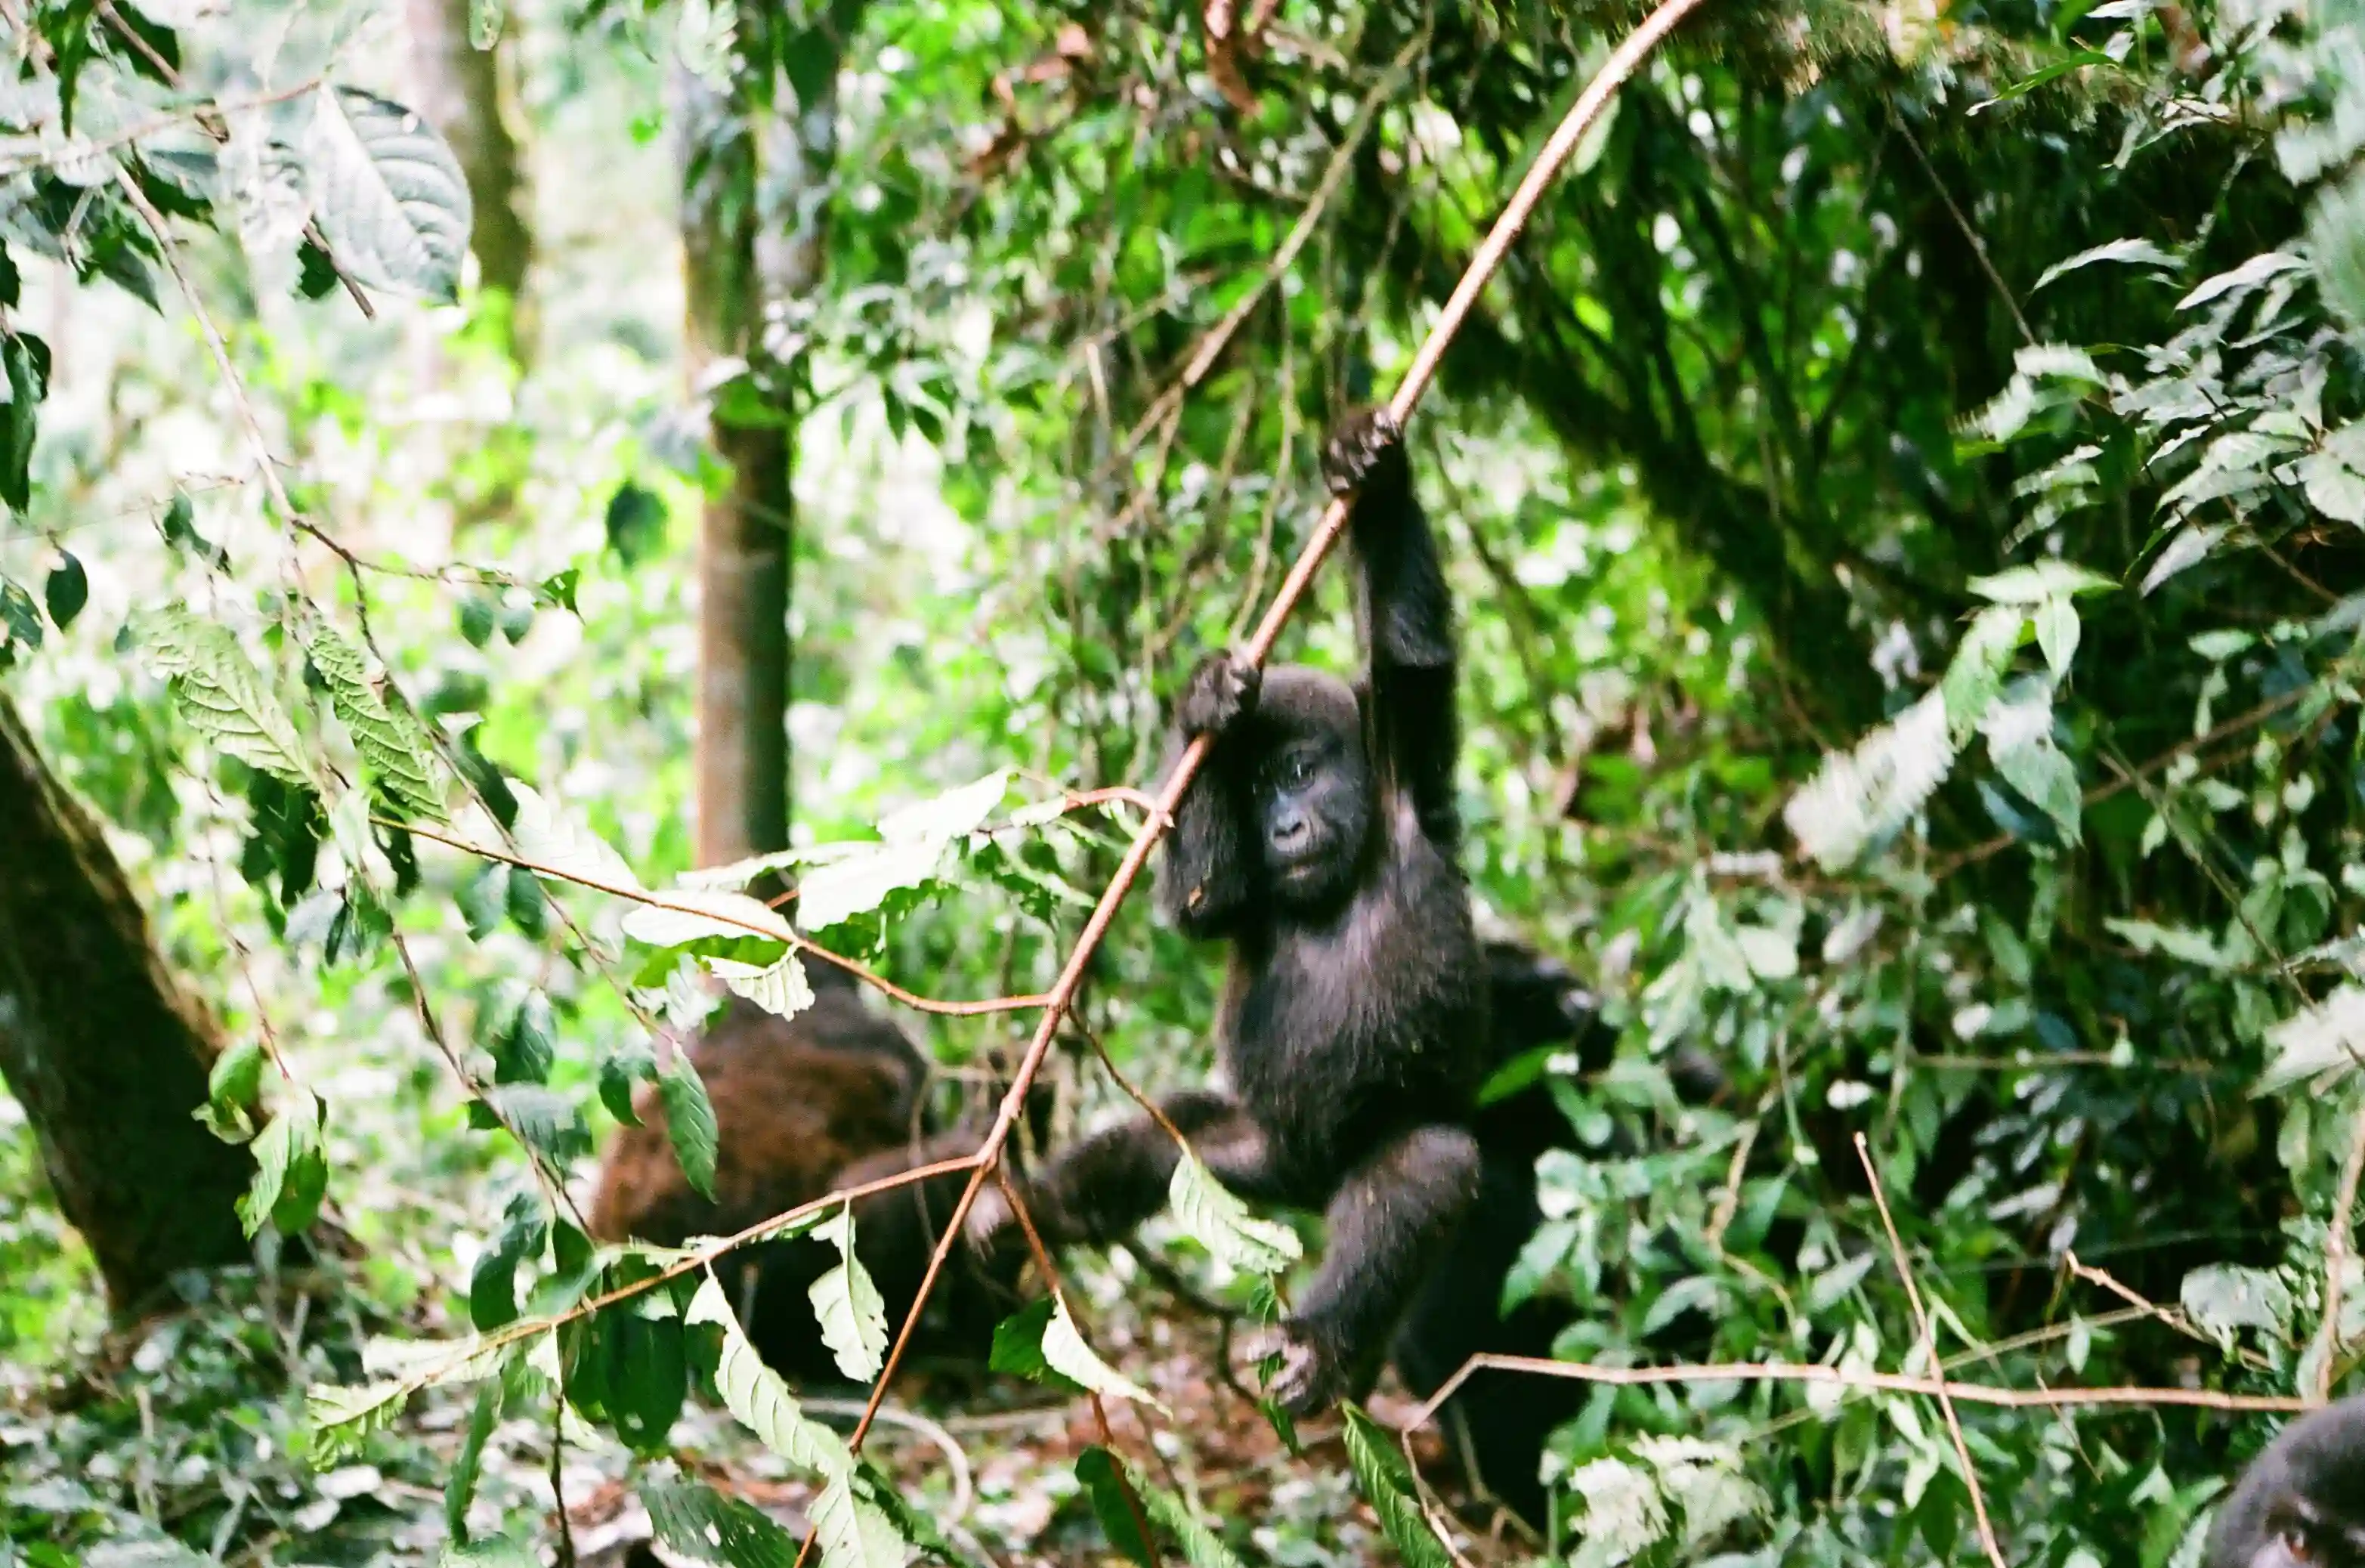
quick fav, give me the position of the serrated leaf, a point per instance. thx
(2244, 278)
(1386, 1483)
(2327, 1037)
(221, 695)
(852, 1314)
(950, 814)
(756, 1397)
(858, 884)
(389, 194)
(1109, 1488)
(558, 846)
(1201, 1548)
(1624, 1515)
(1018, 1346)
(1859, 798)
(1974, 677)
(1065, 1353)
(2194, 947)
(2038, 581)
(781, 989)
(700, 1523)
(2128, 252)
(394, 746)
(2057, 634)
(20, 618)
(2333, 487)
(1705, 1481)
(342, 1417)
(547, 1122)
(701, 913)
(2221, 1300)
(625, 1068)
(689, 1122)
(854, 1534)
(291, 1171)
(1220, 1221)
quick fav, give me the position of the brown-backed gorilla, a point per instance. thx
(2302, 1501)
(832, 1098)
(1319, 842)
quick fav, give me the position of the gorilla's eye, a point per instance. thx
(2299, 1545)
(1297, 770)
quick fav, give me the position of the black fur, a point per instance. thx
(2302, 1503)
(1319, 842)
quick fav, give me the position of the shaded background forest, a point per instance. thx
(1903, 491)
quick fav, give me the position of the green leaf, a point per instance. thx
(702, 912)
(2325, 1039)
(291, 1172)
(877, 1489)
(527, 1049)
(1624, 1514)
(780, 988)
(914, 842)
(341, 1417)
(231, 1088)
(2222, 1300)
(2194, 947)
(394, 746)
(623, 1068)
(67, 590)
(853, 1533)
(547, 1122)
(1065, 1351)
(2033, 584)
(756, 1397)
(460, 1487)
(492, 1284)
(389, 196)
(2241, 280)
(480, 900)
(853, 1315)
(221, 695)
(2057, 634)
(1386, 1483)
(1220, 1221)
(556, 846)
(1108, 1487)
(648, 1370)
(20, 618)
(689, 1122)
(493, 1552)
(1018, 1347)
(1974, 677)
(695, 1520)
(2128, 252)
(25, 360)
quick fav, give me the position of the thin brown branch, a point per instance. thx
(800, 944)
(1930, 1353)
(1867, 1382)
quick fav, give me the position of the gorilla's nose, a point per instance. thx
(1288, 832)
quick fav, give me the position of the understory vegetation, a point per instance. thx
(1904, 493)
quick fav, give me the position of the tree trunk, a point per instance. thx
(755, 159)
(458, 89)
(98, 1042)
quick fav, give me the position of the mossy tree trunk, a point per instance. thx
(106, 1052)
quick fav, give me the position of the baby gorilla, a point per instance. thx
(1319, 840)
(2302, 1503)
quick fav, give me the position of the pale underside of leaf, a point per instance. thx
(389, 194)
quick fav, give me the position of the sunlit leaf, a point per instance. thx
(222, 695)
(1221, 1223)
(389, 194)
(853, 1315)
(1386, 1483)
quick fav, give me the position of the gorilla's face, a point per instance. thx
(1313, 785)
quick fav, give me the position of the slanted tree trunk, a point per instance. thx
(755, 158)
(106, 1052)
(458, 89)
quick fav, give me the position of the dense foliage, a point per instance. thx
(1905, 492)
